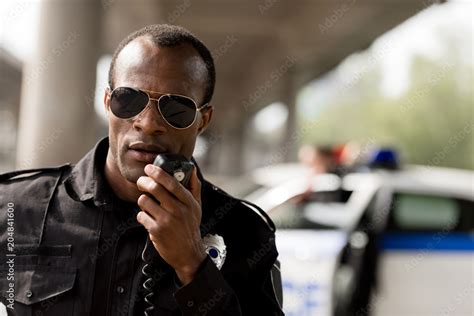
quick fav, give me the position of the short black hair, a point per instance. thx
(167, 35)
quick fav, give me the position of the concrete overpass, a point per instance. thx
(265, 51)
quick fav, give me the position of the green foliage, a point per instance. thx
(431, 123)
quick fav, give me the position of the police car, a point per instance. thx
(316, 219)
(384, 242)
(422, 223)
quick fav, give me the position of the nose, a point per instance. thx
(150, 121)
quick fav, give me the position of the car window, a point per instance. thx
(418, 212)
(425, 212)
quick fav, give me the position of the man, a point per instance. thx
(76, 234)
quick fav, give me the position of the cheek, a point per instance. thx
(187, 141)
(117, 129)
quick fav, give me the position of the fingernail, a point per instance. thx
(148, 168)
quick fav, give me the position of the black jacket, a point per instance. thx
(51, 221)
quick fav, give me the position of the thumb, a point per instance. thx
(195, 185)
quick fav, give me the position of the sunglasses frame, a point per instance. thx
(147, 92)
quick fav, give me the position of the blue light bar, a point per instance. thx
(384, 159)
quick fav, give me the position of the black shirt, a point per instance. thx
(121, 243)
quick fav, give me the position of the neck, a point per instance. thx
(124, 189)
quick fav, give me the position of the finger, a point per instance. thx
(149, 205)
(160, 193)
(146, 220)
(195, 185)
(154, 223)
(167, 181)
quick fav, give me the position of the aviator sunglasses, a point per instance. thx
(177, 110)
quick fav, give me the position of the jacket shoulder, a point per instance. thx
(28, 193)
(31, 174)
(34, 183)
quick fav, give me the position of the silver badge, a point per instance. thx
(215, 248)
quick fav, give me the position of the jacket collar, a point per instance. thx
(87, 179)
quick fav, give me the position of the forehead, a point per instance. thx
(178, 69)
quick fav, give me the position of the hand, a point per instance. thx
(173, 224)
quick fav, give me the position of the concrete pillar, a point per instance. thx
(57, 125)
(10, 81)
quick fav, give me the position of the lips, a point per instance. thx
(144, 152)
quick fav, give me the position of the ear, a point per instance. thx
(107, 93)
(206, 116)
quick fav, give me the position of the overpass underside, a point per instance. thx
(265, 51)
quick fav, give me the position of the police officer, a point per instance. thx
(74, 237)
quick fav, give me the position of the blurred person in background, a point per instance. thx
(319, 160)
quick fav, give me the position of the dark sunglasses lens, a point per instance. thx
(127, 102)
(178, 111)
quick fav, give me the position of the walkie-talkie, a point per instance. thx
(176, 165)
(181, 169)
